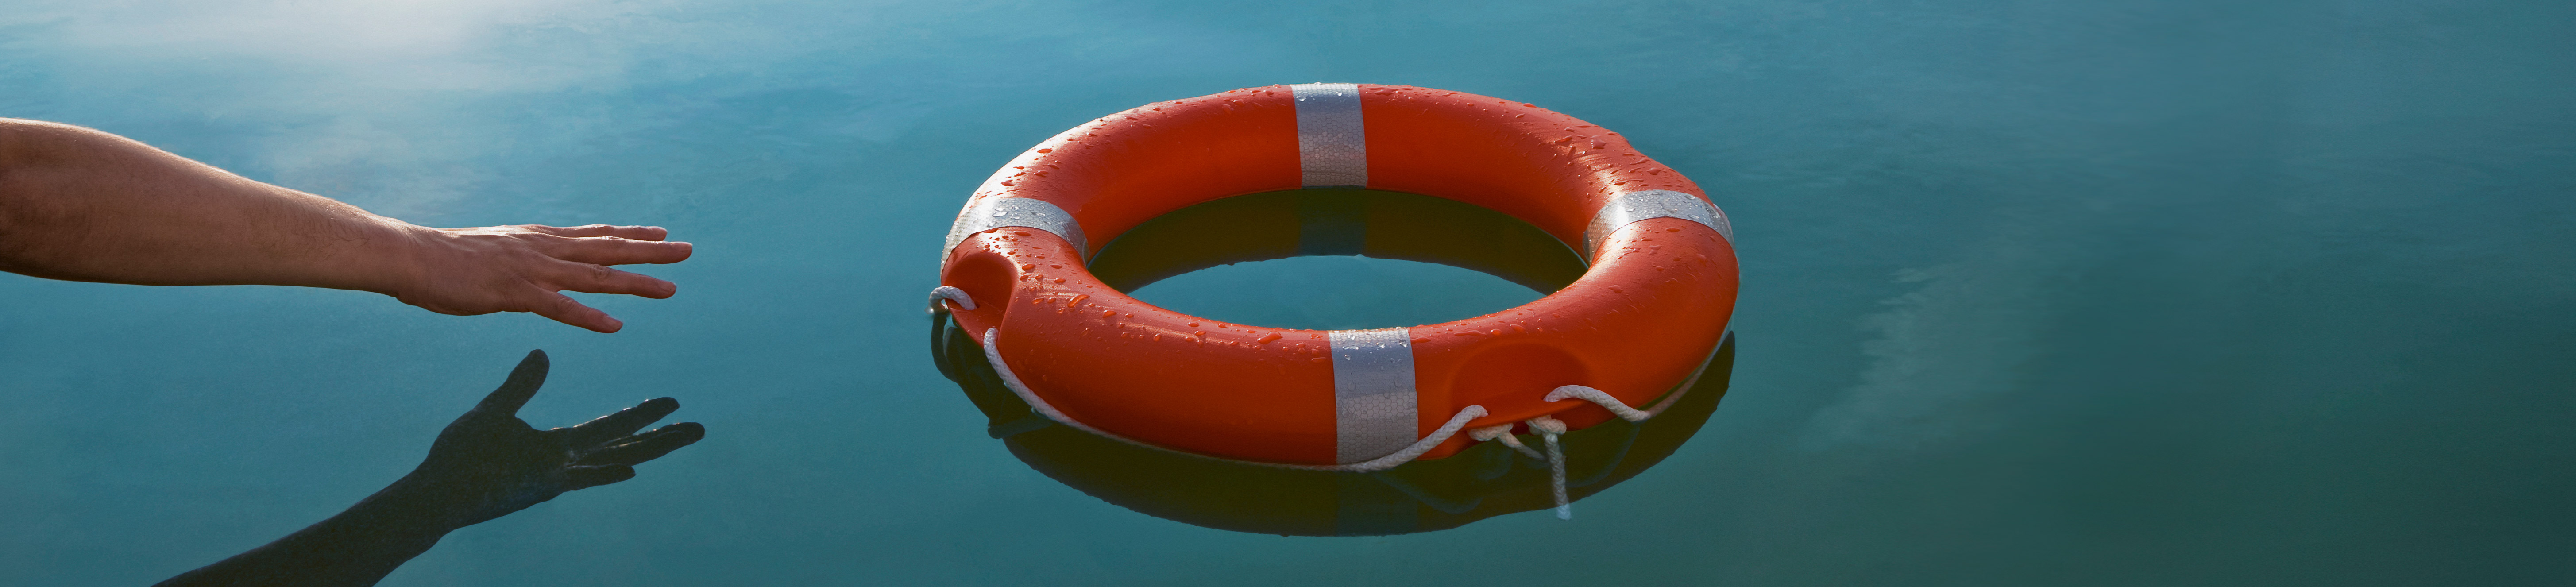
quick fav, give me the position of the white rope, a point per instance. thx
(951, 293)
(1448, 429)
(1503, 433)
(1611, 403)
(993, 354)
(1620, 408)
(1548, 429)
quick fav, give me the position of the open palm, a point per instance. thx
(490, 463)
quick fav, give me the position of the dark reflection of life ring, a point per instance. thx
(1484, 481)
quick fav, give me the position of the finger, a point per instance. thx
(647, 446)
(580, 478)
(588, 278)
(522, 384)
(560, 308)
(622, 423)
(609, 250)
(641, 233)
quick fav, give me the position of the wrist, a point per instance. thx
(411, 506)
(385, 256)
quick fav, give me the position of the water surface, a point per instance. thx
(2037, 293)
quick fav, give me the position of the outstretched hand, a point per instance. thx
(490, 463)
(467, 271)
(84, 205)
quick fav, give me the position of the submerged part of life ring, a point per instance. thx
(1647, 312)
(1486, 480)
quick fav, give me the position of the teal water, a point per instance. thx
(2038, 293)
(1379, 293)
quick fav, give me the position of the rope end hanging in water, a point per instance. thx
(1548, 429)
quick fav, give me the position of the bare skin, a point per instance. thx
(82, 205)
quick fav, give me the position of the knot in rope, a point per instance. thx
(1504, 435)
(1549, 429)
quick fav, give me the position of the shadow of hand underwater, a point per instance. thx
(490, 463)
(485, 465)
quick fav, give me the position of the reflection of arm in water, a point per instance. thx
(84, 205)
(485, 465)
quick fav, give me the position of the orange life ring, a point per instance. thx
(1648, 312)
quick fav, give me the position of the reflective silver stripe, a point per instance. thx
(1640, 205)
(996, 211)
(1374, 413)
(1332, 143)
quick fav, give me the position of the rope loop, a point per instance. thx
(1604, 400)
(951, 293)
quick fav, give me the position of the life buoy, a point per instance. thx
(1647, 313)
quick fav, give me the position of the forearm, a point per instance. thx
(84, 205)
(358, 547)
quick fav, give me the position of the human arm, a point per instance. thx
(485, 465)
(83, 205)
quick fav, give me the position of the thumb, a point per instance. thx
(515, 391)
